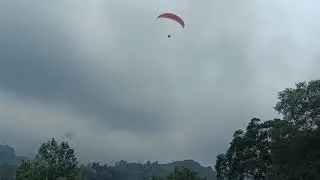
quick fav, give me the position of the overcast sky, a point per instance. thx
(105, 71)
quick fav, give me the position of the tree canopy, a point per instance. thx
(53, 161)
(284, 149)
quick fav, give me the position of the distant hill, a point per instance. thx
(138, 171)
(8, 155)
(191, 164)
(122, 170)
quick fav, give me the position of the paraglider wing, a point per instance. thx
(173, 17)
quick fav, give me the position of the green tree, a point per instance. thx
(280, 134)
(301, 105)
(248, 154)
(30, 170)
(53, 161)
(234, 156)
(183, 173)
(256, 155)
(287, 149)
(221, 166)
(180, 173)
(297, 139)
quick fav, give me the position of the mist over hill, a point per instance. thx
(121, 170)
(8, 155)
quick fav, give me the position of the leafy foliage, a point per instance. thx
(180, 173)
(183, 173)
(287, 149)
(148, 171)
(53, 161)
(301, 105)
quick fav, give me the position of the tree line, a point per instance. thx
(278, 149)
(57, 161)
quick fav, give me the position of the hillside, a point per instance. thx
(122, 170)
(191, 164)
(138, 171)
(8, 155)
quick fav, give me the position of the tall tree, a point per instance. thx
(234, 156)
(221, 166)
(248, 154)
(301, 105)
(279, 149)
(299, 143)
(53, 161)
(257, 158)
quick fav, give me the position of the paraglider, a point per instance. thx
(173, 17)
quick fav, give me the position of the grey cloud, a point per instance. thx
(112, 63)
(39, 61)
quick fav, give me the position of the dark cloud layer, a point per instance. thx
(38, 60)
